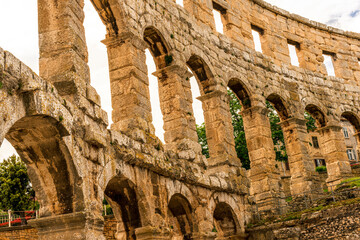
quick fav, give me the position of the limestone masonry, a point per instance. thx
(170, 190)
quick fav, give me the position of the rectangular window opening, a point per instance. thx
(350, 154)
(294, 47)
(256, 33)
(320, 162)
(315, 142)
(180, 2)
(218, 12)
(346, 133)
(329, 57)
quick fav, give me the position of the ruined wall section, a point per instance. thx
(261, 73)
(281, 27)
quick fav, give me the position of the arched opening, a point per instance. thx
(353, 119)
(181, 216)
(156, 56)
(239, 100)
(200, 85)
(278, 112)
(202, 74)
(278, 103)
(95, 30)
(317, 114)
(121, 194)
(39, 142)
(225, 220)
(157, 46)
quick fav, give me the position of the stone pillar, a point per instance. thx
(264, 175)
(333, 147)
(129, 84)
(219, 129)
(63, 51)
(69, 226)
(150, 233)
(175, 102)
(302, 167)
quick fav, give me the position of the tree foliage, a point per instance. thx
(239, 133)
(310, 122)
(200, 129)
(277, 134)
(16, 192)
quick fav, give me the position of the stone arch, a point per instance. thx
(225, 220)
(317, 114)
(159, 48)
(122, 195)
(223, 202)
(241, 91)
(353, 119)
(112, 16)
(181, 214)
(202, 72)
(120, 170)
(280, 105)
(38, 139)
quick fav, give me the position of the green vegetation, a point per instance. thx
(349, 183)
(108, 208)
(168, 59)
(200, 129)
(321, 169)
(16, 192)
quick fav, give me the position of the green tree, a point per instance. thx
(310, 122)
(200, 129)
(16, 192)
(239, 132)
(277, 134)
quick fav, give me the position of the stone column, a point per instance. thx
(129, 84)
(175, 102)
(69, 226)
(302, 168)
(219, 129)
(264, 175)
(333, 147)
(63, 51)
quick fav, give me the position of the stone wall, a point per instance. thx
(170, 190)
(30, 233)
(336, 223)
(18, 233)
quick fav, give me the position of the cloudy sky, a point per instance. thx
(18, 25)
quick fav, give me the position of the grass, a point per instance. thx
(349, 183)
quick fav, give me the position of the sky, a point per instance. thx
(19, 35)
